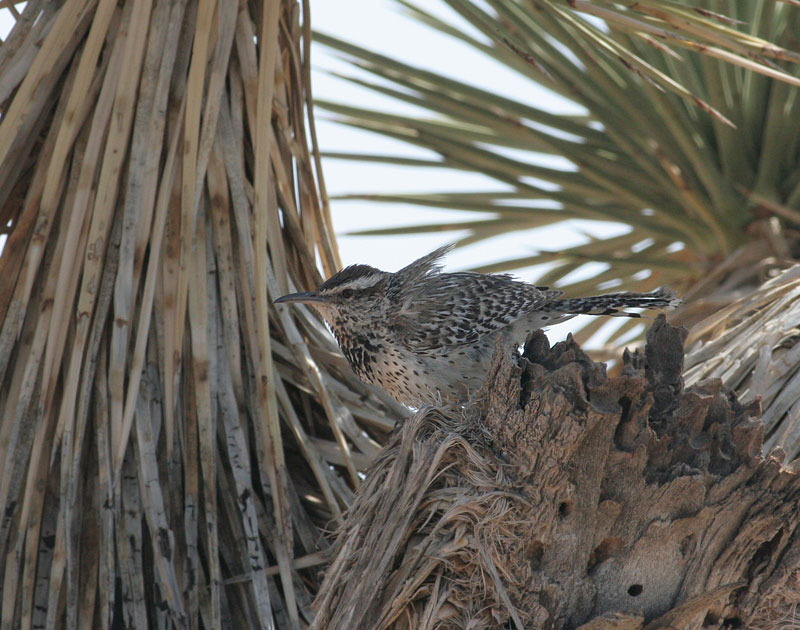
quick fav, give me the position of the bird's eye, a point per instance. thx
(347, 293)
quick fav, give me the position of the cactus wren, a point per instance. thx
(428, 337)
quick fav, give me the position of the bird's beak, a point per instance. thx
(308, 297)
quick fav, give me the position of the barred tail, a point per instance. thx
(613, 303)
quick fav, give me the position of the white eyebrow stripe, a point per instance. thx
(363, 282)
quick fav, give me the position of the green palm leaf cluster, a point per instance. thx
(689, 132)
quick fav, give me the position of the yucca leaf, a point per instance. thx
(643, 153)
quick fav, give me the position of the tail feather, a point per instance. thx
(614, 303)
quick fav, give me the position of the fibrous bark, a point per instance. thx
(562, 498)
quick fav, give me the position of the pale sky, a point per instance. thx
(381, 25)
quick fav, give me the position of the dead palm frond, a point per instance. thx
(170, 443)
(753, 345)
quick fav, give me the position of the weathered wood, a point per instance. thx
(563, 498)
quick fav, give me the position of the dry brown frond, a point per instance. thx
(431, 533)
(751, 343)
(172, 446)
(780, 610)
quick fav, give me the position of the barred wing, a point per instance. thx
(452, 309)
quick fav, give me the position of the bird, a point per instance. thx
(427, 337)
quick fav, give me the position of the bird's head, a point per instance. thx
(359, 296)
(351, 296)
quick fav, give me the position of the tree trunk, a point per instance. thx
(563, 498)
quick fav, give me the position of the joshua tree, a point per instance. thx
(526, 509)
(174, 450)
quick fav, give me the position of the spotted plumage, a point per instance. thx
(427, 337)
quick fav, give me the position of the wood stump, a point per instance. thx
(562, 498)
